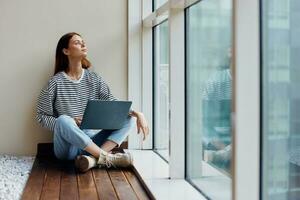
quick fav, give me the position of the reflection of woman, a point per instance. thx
(217, 110)
(217, 115)
(62, 102)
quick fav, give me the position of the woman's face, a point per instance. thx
(77, 47)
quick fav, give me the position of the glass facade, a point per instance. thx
(161, 90)
(281, 100)
(208, 95)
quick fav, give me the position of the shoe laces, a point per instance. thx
(108, 162)
(112, 159)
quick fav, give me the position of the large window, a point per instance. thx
(161, 90)
(281, 100)
(209, 96)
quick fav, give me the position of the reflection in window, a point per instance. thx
(281, 100)
(161, 90)
(208, 96)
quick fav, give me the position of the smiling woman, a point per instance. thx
(63, 100)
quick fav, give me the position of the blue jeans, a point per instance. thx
(69, 140)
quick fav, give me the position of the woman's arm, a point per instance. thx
(141, 123)
(45, 115)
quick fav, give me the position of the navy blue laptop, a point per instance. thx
(100, 114)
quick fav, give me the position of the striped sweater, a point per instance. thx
(219, 86)
(63, 96)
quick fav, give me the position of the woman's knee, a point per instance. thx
(131, 121)
(63, 120)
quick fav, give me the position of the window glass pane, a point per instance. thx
(161, 90)
(208, 97)
(281, 99)
(158, 3)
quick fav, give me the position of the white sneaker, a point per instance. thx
(102, 157)
(208, 155)
(115, 160)
(83, 163)
(223, 155)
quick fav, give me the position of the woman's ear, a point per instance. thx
(65, 51)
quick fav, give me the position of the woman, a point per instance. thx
(61, 105)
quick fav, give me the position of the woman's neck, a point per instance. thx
(74, 69)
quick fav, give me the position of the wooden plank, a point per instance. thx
(69, 186)
(104, 185)
(34, 185)
(51, 178)
(122, 187)
(86, 186)
(51, 186)
(135, 184)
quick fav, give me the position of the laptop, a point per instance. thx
(108, 115)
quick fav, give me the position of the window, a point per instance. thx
(208, 96)
(158, 3)
(281, 100)
(161, 90)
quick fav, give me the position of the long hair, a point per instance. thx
(61, 60)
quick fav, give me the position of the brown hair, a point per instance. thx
(61, 60)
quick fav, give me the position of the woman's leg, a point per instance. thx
(69, 139)
(108, 145)
(108, 139)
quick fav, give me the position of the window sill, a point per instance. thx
(155, 173)
(214, 183)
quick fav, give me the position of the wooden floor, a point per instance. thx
(54, 179)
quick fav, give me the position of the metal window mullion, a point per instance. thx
(246, 100)
(156, 85)
(177, 97)
(147, 66)
(134, 64)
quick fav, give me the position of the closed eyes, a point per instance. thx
(79, 42)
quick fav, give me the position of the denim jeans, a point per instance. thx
(69, 140)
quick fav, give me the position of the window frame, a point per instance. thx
(155, 72)
(214, 170)
(246, 119)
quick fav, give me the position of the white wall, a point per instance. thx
(29, 32)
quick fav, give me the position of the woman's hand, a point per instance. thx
(141, 123)
(78, 120)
